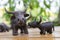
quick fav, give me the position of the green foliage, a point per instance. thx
(56, 23)
(47, 5)
(7, 16)
(31, 3)
(25, 1)
(11, 8)
(42, 11)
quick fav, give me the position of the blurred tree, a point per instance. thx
(59, 16)
(57, 20)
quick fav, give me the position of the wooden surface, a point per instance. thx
(33, 35)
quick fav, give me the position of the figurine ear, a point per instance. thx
(26, 15)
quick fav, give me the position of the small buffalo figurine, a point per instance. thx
(18, 21)
(4, 27)
(44, 27)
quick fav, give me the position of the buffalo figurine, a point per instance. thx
(18, 21)
(44, 27)
(4, 27)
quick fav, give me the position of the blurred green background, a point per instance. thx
(48, 9)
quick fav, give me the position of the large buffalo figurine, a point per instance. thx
(18, 21)
(4, 27)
